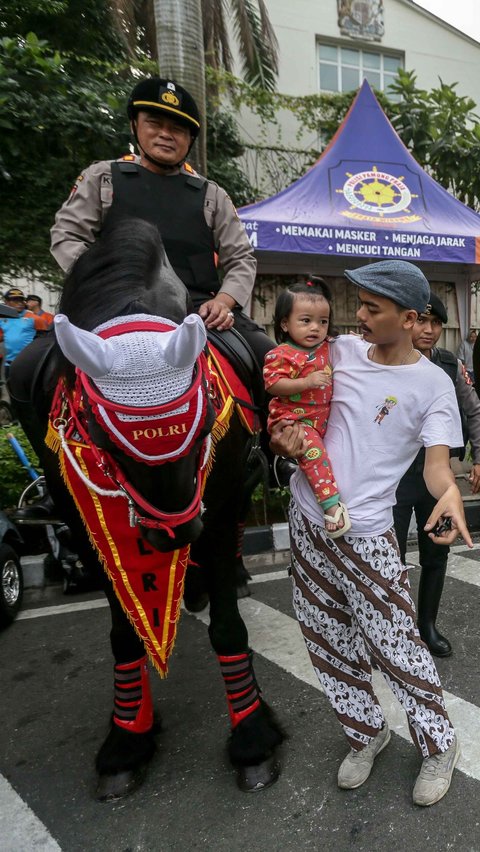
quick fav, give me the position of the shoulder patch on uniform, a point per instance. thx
(227, 198)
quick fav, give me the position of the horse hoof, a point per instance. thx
(111, 788)
(252, 779)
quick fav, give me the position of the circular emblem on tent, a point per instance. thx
(377, 192)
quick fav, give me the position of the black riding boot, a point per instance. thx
(429, 594)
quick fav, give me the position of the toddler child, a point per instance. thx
(298, 376)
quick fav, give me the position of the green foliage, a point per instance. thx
(61, 111)
(14, 476)
(65, 74)
(442, 130)
(257, 41)
(248, 22)
(77, 27)
(268, 506)
(223, 147)
(317, 113)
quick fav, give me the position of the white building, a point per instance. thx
(331, 45)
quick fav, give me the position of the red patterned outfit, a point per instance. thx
(311, 408)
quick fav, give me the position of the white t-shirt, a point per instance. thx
(380, 418)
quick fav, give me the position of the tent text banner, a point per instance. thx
(366, 198)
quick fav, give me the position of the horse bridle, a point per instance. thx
(155, 518)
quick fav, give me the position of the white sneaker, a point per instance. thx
(435, 776)
(357, 766)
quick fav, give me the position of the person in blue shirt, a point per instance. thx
(18, 332)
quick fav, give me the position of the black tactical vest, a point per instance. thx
(449, 364)
(447, 361)
(175, 205)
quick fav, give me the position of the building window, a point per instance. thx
(344, 68)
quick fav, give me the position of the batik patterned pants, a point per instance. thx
(352, 601)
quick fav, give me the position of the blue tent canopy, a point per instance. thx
(366, 198)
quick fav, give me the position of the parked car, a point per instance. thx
(11, 574)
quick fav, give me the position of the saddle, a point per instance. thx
(241, 357)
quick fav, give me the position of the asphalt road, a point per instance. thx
(55, 705)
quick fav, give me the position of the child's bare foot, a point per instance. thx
(337, 521)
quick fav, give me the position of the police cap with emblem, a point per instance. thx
(435, 306)
(155, 94)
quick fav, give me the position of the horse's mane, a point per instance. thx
(124, 272)
(114, 276)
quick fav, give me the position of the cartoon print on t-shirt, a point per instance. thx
(385, 408)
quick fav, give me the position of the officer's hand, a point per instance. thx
(474, 479)
(449, 514)
(216, 314)
(287, 438)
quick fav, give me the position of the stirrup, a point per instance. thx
(283, 469)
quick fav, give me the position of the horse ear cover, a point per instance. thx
(95, 356)
(85, 350)
(185, 343)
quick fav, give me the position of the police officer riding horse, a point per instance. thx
(195, 217)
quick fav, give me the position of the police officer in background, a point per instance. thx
(412, 493)
(195, 217)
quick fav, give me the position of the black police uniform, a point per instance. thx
(413, 495)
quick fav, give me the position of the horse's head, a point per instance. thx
(147, 410)
(142, 377)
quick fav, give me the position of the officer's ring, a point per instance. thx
(230, 313)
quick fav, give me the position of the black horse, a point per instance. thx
(123, 274)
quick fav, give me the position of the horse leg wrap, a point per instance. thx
(240, 537)
(133, 709)
(243, 694)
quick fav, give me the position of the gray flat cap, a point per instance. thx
(398, 280)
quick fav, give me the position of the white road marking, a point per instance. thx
(269, 576)
(61, 609)
(463, 569)
(20, 829)
(277, 637)
(460, 568)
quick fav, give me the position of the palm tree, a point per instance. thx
(185, 35)
(256, 40)
(180, 55)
